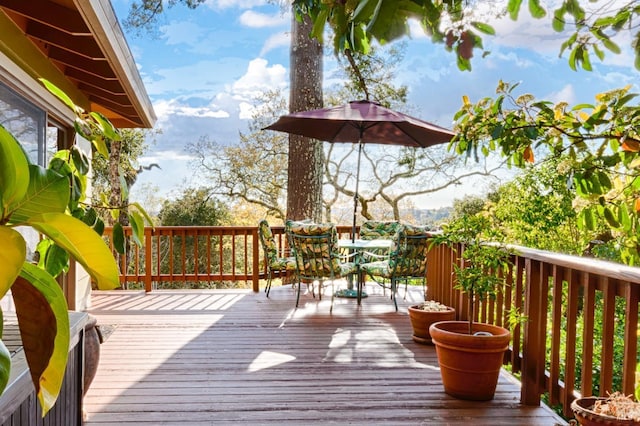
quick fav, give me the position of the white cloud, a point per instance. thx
(276, 41)
(246, 110)
(181, 32)
(512, 57)
(260, 76)
(566, 94)
(240, 4)
(254, 19)
(204, 77)
(167, 110)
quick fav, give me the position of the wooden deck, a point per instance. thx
(236, 357)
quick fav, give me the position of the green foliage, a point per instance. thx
(144, 13)
(469, 205)
(196, 207)
(477, 275)
(45, 200)
(596, 146)
(356, 24)
(535, 210)
(134, 145)
(637, 389)
(254, 170)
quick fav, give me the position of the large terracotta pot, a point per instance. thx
(421, 320)
(587, 417)
(92, 341)
(470, 364)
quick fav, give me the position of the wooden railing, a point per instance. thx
(581, 330)
(203, 254)
(580, 334)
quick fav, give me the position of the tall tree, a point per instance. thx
(304, 181)
(112, 178)
(255, 169)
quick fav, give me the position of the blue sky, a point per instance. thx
(204, 66)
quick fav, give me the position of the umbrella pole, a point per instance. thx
(355, 196)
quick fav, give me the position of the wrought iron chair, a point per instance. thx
(378, 230)
(407, 261)
(276, 264)
(315, 248)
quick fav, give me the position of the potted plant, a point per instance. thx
(616, 409)
(470, 354)
(425, 314)
(50, 201)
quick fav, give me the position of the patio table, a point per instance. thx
(360, 247)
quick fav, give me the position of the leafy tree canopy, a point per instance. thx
(456, 24)
(196, 207)
(597, 146)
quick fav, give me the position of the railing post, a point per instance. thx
(533, 349)
(148, 258)
(255, 272)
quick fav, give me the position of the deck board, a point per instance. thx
(218, 357)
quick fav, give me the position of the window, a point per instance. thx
(26, 122)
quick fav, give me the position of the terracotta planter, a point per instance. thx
(92, 341)
(586, 417)
(469, 365)
(421, 320)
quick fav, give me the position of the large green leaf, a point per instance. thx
(44, 328)
(12, 255)
(59, 94)
(48, 192)
(82, 243)
(5, 366)
(14, 173)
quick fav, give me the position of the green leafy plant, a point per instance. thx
(50, 201)
(482, 260)
(637, 389)
(597, 147)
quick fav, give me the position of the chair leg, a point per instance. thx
(333, 295)
(269, 279)
(298, 292)
(394, 288)
(359, 286)
(406, 289)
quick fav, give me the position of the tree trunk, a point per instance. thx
(304, 183)
(115, 195)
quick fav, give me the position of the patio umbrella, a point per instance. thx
(362, 122)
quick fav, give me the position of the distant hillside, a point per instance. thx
(432, 217)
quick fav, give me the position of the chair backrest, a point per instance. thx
(315, 247)
(377, 229)
(268, 242)
(409, 256)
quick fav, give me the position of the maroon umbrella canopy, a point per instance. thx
(363, 121)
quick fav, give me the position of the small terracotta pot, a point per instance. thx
(421, 320)
(587, 417)
(470, 365)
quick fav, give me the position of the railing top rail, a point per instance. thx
(592, 266)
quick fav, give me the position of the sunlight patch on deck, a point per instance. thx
(268, 359)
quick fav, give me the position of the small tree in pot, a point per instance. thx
(471, 353)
